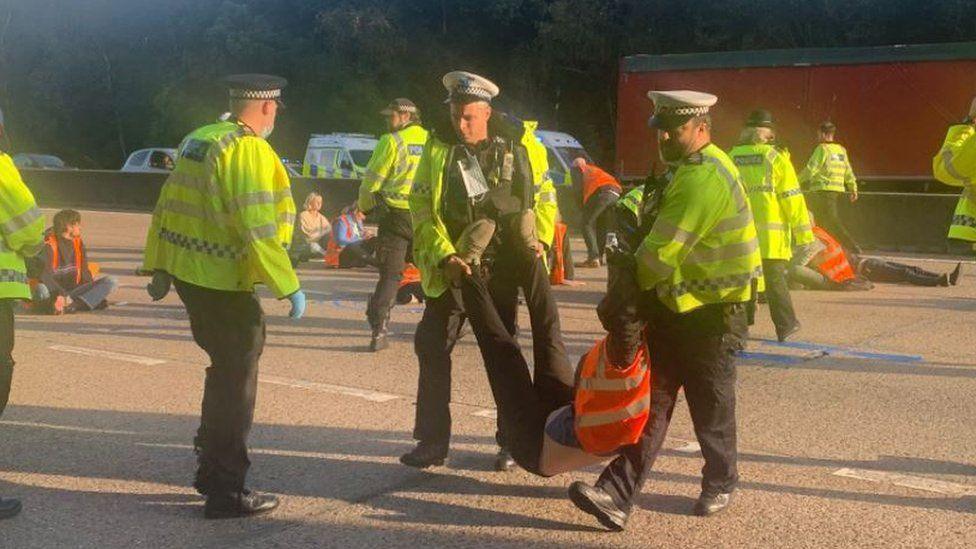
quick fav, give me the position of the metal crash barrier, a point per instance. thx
(892, 221)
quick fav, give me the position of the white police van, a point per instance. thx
(562, 149)
(338, 155)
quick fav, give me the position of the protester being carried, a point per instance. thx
(67, 280)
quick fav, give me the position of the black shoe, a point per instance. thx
(239, 504)
(425, 455)
(504, 461)
(598, 503)
(954, 275)
(378, 340)
(9, 508)
(707, 506)
(782, 336)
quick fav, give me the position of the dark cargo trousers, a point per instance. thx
(6, 349)
(230, 328)
(693, 351)
(392, 247)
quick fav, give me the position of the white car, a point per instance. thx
(338, 155)
(155, 160)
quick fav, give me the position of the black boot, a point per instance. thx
(598, 503)
(9, 508)
(425, 455)
(504, 461)
(954, 275)
(238, 504)
(707, 506)
(378, 340)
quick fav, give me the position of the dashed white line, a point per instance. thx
(101, 353)
(909, 481)
(68, 428)
(365, 394)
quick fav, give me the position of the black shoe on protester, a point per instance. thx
(598, 503)
(238, 504)
(504, 461)
(425, 455)
(954, 275)
(788, 332)
(378, 341)
(9, 508)
(707, 506)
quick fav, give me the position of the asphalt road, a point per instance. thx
(860, 433)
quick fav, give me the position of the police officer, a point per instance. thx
(696, 267)
(22, 232)
(486, 167)
(384, 192)
(779, 211)
(955, 164)
(222, 224)
(827, 176)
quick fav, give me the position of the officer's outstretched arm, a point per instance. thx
(955, 163)
(23, 225)
(791, 201)
(690, 211)
(431, 242)
(380, 166)
(250, 169)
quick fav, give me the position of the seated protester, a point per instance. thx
(67, 282)
(313, 231)
(823, 265)
(351, 243)
(410, 289)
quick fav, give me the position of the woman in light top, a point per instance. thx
(314, 226)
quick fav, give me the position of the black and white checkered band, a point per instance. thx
(470, 89)
(681, 111)
(255, 94)
(200, 246)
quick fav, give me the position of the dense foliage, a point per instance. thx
(91, 80)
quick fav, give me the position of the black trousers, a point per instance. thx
(879, 270)
(392, 246)
(597, 220)
(824, 205)
(229, 327)
(693, 351)
(6, 350)
(775, 271)
(491, 306)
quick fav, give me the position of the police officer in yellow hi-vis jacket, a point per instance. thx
(779, 211)
(697, 265)
(22, 232)
(955, 164)
(384, 193)
(222, 225)
(826, 177)
(486, 170)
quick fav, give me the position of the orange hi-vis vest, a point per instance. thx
(558, 273)
(411, 275)
(52, 241)
(834, 265)
(611, 404)
(595, 179)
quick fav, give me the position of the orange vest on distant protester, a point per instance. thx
(558, 273)
(595, 179)
(834, 265)
(411, 275)
(611, 404)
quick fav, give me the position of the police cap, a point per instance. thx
(760, 118)
(465, 87)
(675, 107)
(255, 86)
(400, 104)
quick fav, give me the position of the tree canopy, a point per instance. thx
(92, 80)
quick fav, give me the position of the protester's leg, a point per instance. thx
(230, 327)
(316, 248)
(837, 227)
(778, 296)
(605, 221)
(591, 214)
(95, 292)
(809, 278)
(568, 272)
(433, 342)
(523, 413)
(878, 270)
(391, 254)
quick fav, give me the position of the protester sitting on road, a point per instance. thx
(824, 265)
(67, 280)
(314, 228)
(351, 245)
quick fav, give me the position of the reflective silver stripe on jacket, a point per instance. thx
(17, 223)
(701, 254)
(603, 418)
(947, 155)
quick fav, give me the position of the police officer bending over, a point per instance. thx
(476, 188)
(697, 264)
(222, 224)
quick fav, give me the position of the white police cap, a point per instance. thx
(676, 107)
(467, 87)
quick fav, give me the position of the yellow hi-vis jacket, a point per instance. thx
(225, 215)
(778, 207)
(392, 167)
(21, 229)
(431, 241)
(955, 164)
(829, 169)
(702, 248)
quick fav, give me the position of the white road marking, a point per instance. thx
(68, 428)
(124, 357)
(288, 453)
(365, 394)
(908, 481)
(486, 413)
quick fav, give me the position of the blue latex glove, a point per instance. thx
(297, 305)
(159, 287)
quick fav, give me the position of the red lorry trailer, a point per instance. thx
(891, 104)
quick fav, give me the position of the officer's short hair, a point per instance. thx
(64, 219)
